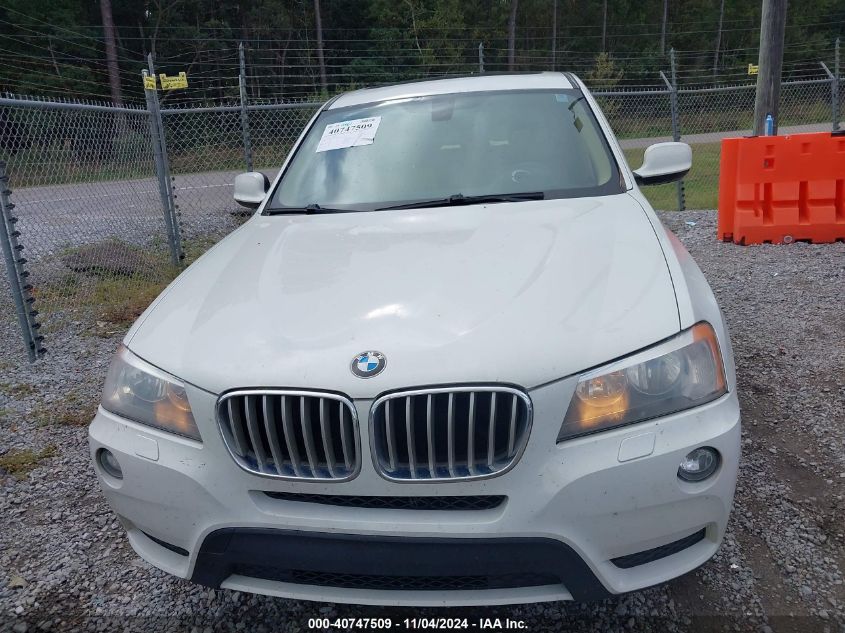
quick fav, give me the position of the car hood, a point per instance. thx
(522, 293)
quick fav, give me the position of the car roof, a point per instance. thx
(476, 83)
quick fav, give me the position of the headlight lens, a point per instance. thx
(684, 372)
(143, 393)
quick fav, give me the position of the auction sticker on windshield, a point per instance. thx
(349, 134)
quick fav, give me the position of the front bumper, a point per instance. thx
(578, 505)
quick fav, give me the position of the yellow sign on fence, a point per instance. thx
(753, 69)
(174, 83)
(149, 82)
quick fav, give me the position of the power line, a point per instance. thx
(52, 25)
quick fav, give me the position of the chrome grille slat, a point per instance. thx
(409, 432)
(328, 446)
(308, 435)
(291, 434)
(429, 432)
(391, 438)
(450, 434)
(290, 437)
(471, 434)
(491, 432)
(512, 428)
(442, 433)
(345, 438)
(238, 434)
(272, 431)
(254, 433)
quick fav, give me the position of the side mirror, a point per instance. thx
(664, 162)
(250, 188)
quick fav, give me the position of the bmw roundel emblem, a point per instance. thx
(368, 364)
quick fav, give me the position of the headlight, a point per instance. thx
(143, 393)
(683, 372)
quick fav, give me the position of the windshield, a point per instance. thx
(437, 147)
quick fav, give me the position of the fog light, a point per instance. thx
(108, 462)
(699, 464)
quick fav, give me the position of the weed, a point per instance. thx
(75, 409)
(19, 463)
(19, 390)
(79, 417)
(112, 281)
(121, 301)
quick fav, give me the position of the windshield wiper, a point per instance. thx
(460, 199)
(308, 209)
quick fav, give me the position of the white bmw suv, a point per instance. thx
(453, 358)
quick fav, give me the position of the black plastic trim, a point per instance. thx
(646, 181)
(435, 503)
(285, 556)
(656, 553)
(173, 548)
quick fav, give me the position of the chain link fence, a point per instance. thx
(208, 147)
(85, 206)
(104, 205)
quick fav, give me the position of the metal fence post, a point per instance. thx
(15, 262)
(481, 57)
(163, 170)
(836, 86)
(676, 122)
(834, 97)
(244, 114)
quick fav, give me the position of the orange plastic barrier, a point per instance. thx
(778, 189)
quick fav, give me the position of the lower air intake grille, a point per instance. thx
(399, 583)
(486, 502)
(291, 434)
(449, 433)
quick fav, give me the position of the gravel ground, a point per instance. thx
(66, 565)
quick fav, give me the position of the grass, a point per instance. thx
(19, 463)
(701, 185)
(112, 289)
(701, 117)
(75, 409)
(50, 166)
(121, 300)
(17, 390)
(114, 299)
(111, 299)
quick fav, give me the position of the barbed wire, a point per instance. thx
(214, 69)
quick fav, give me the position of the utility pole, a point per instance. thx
(663, 27)
(554, 35)
(836, 81)
(512, 35)
(318, 22)
(604, 28)
(718, 46)
(772, 30)
(244, 112)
